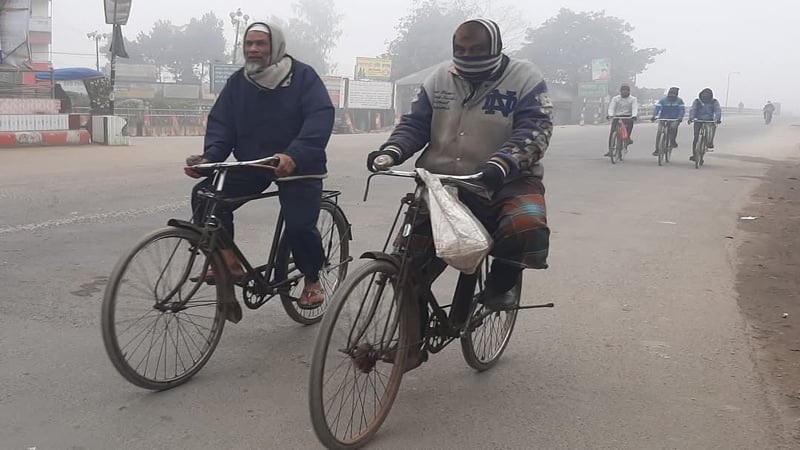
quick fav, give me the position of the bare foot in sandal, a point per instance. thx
(312, 297)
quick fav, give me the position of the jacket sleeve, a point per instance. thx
(612, 106)
(657, 108)
(693, 109)
(318, 116)
(531, 132)
(414, 130)
(635, 107)
(221, 128)
(717, 111)
(681, 110)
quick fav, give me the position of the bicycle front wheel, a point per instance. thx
(161, 319)
(488, 332)
(359, 357)
(335, 233)
(661, 143)
(612, 150)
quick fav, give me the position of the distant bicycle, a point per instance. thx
(618, 142)
(664, 137)
(703, 138)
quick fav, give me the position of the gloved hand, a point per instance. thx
(719, 121)
(652, 119)
(608, 117)
(690, 121)
(635, 118)
(381, 160)
(493, 175)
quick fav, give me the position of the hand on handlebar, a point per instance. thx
(192, 161)
(380, 160)
(652, 119)
(492, 175)
(285, 166)
(690, 121)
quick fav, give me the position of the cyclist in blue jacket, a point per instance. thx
(705, 107)
(672, 108)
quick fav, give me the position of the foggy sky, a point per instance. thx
(705, 39)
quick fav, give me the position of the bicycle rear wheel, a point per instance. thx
(335, 233)
(359, 357)
(488, 332)
(612, 150)
(161, 320)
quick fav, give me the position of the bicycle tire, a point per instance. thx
(612, 151)
(505, 319)
(661, 143)
(381, 274)
(284, 269)
(698, 150)
(124, 275)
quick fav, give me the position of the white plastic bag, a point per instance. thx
(459, 238)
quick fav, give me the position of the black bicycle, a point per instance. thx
(163, 315)
(664, 139)
(375, 330)
(703, 138)
(618, 142)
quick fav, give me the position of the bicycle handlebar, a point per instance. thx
(703, 121)
(406, 174)
(221, 165)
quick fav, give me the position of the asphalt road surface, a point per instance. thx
(646, 347)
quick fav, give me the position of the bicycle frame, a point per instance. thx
(214, 236)
(450, 326)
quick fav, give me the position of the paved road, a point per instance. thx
(645, 349)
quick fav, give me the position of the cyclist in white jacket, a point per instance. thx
(623, 104)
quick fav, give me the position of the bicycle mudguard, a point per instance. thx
(185, 224)
(382, 256)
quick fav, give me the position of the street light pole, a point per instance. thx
(96, 36)
(728, 87)
(237, 19)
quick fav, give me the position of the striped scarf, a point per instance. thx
(480, 68)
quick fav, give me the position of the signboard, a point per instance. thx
(335, 86)
(595, 89)
(125, 90)
(373, 69)
(185, 91)
(136, 72)
(370, 95)
(220, 74)
(14, 22)
(117, 11)
(601, 69)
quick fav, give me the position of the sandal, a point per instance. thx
(314, 298)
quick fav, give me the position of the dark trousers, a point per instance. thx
(697, 127)
(628, 125)
(300, 203)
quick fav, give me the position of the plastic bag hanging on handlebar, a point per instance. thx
(460, 239)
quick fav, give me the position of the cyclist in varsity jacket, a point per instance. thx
(485, 112)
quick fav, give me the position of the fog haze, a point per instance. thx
(705, 40)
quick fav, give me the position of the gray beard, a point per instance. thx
(254, 67)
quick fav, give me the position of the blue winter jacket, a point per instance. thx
(670, 108)
(705, 111)
(254, 122)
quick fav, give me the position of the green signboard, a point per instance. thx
(220, 74)
(595, 89)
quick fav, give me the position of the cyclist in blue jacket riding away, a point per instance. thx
(487, 113)
(705, 107)
(273, 106)
(670, 107)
